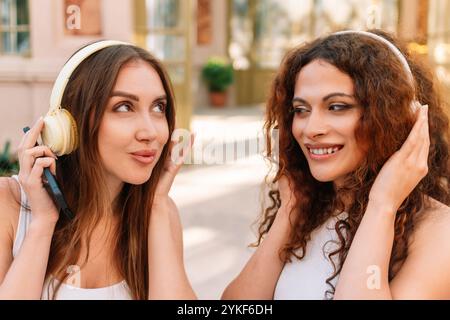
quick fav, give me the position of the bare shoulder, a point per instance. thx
(424, 274)
(9, 206)
(9, 187)
(433, 225)
(9, 194)
(437, 213)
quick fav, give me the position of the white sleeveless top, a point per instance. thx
(119, 291)
(306, 279)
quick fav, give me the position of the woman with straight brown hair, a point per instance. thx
(125, 239)
(360, 198)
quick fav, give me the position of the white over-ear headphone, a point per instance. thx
(60, 130)
(414, 104)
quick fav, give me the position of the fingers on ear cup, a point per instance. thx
(60, 132)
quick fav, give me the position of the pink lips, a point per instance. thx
(144, 156)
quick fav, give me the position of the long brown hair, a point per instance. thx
(383, 90)
(82, 180)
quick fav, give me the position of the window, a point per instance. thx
(164, 29)
(263, 30)
(439, 40)
(14, 27)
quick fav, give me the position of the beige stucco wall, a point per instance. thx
(26, 82)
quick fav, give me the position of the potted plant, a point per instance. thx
(218, 75)
(8, 165)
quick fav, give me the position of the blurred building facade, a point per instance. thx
(37, 37)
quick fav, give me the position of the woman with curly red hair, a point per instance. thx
(361, 192)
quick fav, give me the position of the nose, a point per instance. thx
(145, 129)
(315, 125)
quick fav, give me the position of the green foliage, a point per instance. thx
(8, 166)
(218, 74)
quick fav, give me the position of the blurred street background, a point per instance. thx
(221, 56)
(218, 205)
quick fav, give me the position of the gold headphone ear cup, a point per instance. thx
(60, 132)
(70, 126)
(51, 133)
(74, 133)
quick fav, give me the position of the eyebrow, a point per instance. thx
(134, 97)
(327, 97)
(160, 98)
(125, 95)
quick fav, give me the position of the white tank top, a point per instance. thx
(306, 279)
(119, 291)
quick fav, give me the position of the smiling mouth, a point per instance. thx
(322, 153)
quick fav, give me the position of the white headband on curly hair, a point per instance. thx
(415, 104)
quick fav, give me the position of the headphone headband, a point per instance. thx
(391, 46)
(63, 77)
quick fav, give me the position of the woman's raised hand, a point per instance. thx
(32, 160)
(404, 169)
(177, 155)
